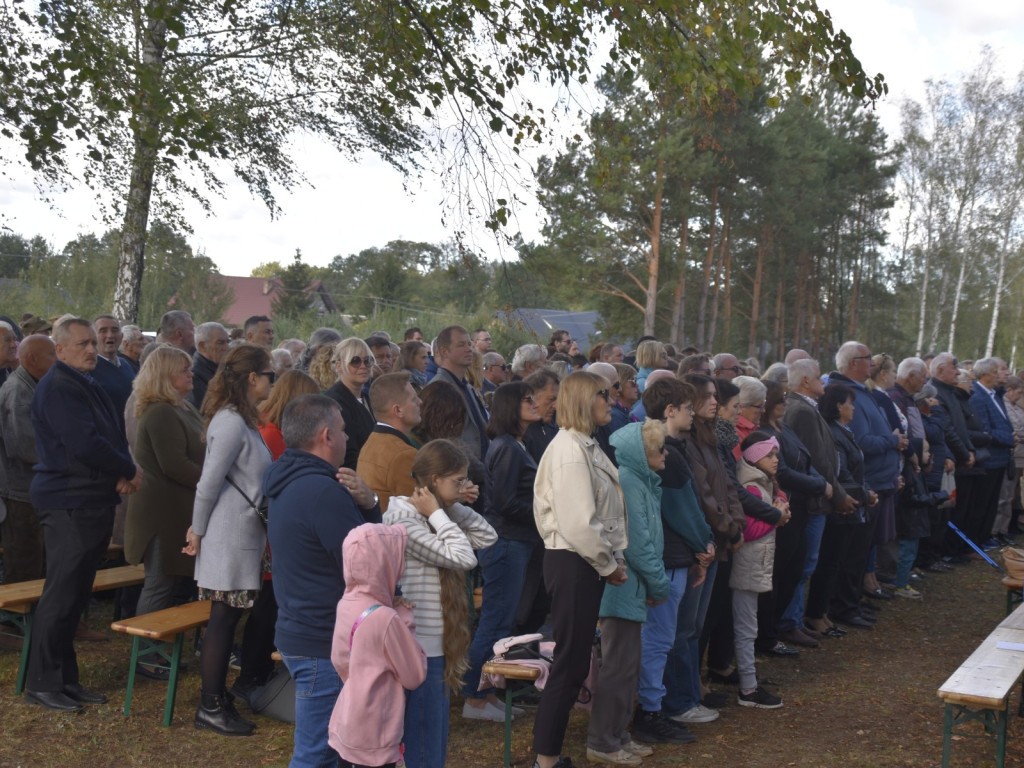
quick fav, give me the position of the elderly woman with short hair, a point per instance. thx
(650, 356)
(751, 407)
(353, 362)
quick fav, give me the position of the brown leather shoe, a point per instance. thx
(797, 637)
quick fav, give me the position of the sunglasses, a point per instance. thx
(356, 362)
(269, 374)
(603, 393)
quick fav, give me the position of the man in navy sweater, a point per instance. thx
(84, 465)
(313, 506)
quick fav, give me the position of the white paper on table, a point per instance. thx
(1006, 646)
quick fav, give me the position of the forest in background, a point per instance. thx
(750, 226)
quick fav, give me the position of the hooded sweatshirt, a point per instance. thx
(641, 488)
(375, 649)
(310, 516)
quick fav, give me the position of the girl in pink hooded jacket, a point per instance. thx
(375, 649)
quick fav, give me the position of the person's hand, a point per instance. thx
(123, 486)
(704, 559)
(949, 466)
(653, 603)
(849, 506)
(618, 577)
(828, 490)
(901, 483)
(971, 460)
(697, 575)
(192, 540)
(356, 486)
(470, 492)
(424, 501)
(872, 498)
(785, 517)
(733, 546)
(902, 440)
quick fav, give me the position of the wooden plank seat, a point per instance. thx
(979, 691)
(18, 602)
(510, 671)
(160, 634)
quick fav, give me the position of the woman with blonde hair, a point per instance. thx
(228, 534)
(321, 367)
(650, 356)
(170, 450)
(353, 363)
(581, 517)
(442, 534)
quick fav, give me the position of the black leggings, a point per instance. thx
(217, 642)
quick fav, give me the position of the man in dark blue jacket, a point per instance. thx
(313, 506)
(84, 466)
(987, 401)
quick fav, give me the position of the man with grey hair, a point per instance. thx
(310, 515)
(796, 354)
(611, 353)
(132, 343)
(527, 359)
(777, 372)
(178, 330)
(211, 346)
(495, 372)
(986, 398)
(725, 366)
(911, 375)
(949, 414)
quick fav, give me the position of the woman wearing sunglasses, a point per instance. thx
(353, 362)
(581, 516)
(227, 536)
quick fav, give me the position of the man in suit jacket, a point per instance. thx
(84, 465)
(987, 401)
(385, 462)
(455, 354)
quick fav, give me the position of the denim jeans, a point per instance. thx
(682, 668)
(793, 616)
(503, 565)
(657, 636)
(908, 553)
(317, 687)
(426, 719)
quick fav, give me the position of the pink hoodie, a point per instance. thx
(384, 658)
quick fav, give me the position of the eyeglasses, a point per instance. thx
(631, 381)
(528, 399)
(269, 374)
(734, 368)
(505, 367)
(603, 393)
(860, 357)
(756, 406)
(356, 362)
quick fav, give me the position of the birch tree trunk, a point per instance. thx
(147, 135)
(719, 263)
(708, 258)
(654, 256)
(676, 335)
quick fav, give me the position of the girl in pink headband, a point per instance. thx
(752, 563)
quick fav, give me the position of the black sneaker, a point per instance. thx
(760, 698)
(655, 728)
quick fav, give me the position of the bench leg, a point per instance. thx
(508, 724)
(26, 646)
(1001, 718)
(172, 679)
(947, 734)
(131, 676)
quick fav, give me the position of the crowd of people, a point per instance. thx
(682, 511)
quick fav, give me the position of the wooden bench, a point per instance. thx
(510, 671)
(161, 634)
(18, 602)
(979, 691)
(1014, 593)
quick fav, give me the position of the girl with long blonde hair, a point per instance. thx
(442, 534)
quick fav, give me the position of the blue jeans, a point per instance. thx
(317, 687)
(503, 565)
(656, 638)
(682, 668)
(793, 616)
(908, 553)
(426, 719)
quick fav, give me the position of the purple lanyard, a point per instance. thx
(359, 621)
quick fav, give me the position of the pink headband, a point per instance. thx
(758, 451)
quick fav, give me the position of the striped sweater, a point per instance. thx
(444, 540)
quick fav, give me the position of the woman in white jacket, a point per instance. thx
(581, 516)
(442, 534)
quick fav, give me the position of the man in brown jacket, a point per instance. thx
(385, 461)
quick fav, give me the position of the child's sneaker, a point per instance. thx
(759, 698)
(908, 592)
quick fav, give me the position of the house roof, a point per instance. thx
(582, 326)
(255, 296)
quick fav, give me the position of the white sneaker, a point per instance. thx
(641, 750)
(619, 757)
(699, 714)
(487, 712)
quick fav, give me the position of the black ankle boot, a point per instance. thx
(229, 705)
(216, 715)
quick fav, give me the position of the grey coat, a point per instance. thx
(233, 536)
(18, 446)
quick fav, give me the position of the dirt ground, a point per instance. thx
(867, 700)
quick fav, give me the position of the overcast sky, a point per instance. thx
(358, 205)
